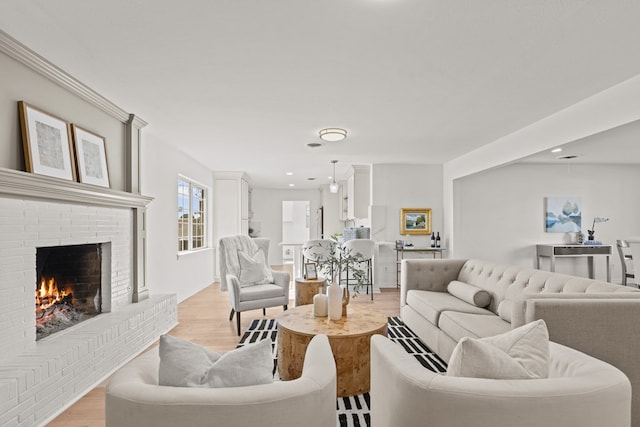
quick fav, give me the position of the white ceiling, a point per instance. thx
(246, 84)
(620, 145)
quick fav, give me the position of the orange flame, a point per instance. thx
(49, 294)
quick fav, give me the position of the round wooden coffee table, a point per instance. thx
(349, 339)
(306, 289)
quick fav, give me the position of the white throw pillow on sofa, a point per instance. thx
(522, 353)
(469, 293)
(248, 365)
(185, 364)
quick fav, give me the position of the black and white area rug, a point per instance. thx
(352, 411)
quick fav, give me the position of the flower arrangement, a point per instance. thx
(593, 225)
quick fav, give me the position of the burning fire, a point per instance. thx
(48, 294)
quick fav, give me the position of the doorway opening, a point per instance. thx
(295, 231)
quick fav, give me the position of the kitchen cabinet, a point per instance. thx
(358, 191)
(231, 204)
(343, 202)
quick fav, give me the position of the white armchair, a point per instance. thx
(255, 296)
(134, 398)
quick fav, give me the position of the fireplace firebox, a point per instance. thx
(69, 286)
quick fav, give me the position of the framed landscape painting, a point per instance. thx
(563, 214)
(47, 143)
(91, 156)
(415, 221)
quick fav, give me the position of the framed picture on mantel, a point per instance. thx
(415, 221)
(91, 156)
(47, 143)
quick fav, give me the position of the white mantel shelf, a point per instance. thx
(33, 186)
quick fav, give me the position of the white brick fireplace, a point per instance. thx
(40, 379)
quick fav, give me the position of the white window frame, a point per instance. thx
(188, 226)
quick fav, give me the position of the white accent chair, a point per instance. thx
(580, 391)
(250, 297)
(134, 398)
(365, 248)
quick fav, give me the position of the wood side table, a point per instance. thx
(349, 339)
(306, 289)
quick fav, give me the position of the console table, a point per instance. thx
(563, 251)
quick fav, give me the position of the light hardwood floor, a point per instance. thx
(204, 319)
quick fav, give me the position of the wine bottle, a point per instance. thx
(433, 240)
(438, 240)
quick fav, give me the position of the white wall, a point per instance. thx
(397, 186)
(613, 107)
(405, 186)
(18, 83)
(499, 213)
(266, 205)
(166, 272)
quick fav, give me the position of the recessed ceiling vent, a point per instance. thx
(315, 144)
(569, 157)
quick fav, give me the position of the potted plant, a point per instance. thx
(337, 260)
(593, 226)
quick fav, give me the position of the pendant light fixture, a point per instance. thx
(333, 187)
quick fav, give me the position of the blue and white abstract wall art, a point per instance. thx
(563, 214)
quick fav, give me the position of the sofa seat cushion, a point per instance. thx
(258, 292)
(458, 325)
(430, 304)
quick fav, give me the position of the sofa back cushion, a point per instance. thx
(493, 278)
(512, 283)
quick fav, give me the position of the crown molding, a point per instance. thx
(361, 168)
(231, 175)
(21, 53)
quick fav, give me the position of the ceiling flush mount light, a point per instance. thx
(333, 187)
(556, 150)
(333, 134)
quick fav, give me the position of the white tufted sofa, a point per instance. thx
(598, 318)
